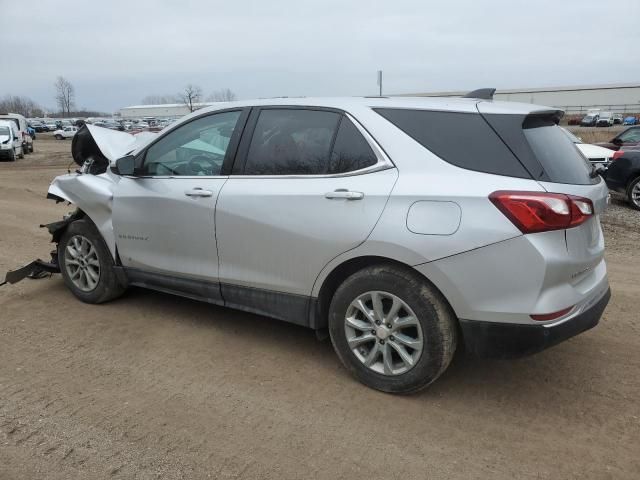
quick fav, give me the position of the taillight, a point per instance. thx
(617, 154)
(534, 212)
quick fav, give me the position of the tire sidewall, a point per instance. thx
(433, 314)
(632, 184)
(108, 285)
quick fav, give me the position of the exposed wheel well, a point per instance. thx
(342, 272)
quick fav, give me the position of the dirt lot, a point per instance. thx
(153, 386)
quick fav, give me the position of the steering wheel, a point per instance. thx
(196, 167)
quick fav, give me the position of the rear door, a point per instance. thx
(308, 185)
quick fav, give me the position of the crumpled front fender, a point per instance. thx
(93, 194)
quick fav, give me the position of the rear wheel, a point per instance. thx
(59, 137)
(633, 193)
(86, 264)
(13, 156)
(392, 329)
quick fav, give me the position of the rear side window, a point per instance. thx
(462, 139)
(351, 151)
(291, 142)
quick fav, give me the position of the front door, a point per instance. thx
(163, 218)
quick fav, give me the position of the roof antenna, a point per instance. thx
(481, 93)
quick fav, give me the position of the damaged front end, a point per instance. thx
(90, 189)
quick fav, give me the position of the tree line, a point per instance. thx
(190, 96)
(65, 99)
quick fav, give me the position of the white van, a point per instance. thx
(21, 123)
(10, 141)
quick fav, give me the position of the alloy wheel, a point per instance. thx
(383, 333)
(82, 263)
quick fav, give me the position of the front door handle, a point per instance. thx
(344, 193)
(198, 192)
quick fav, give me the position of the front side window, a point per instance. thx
(194, 149)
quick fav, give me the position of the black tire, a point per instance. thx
(436, 318)
(31, 148)
(629, 193)
(21, 156)
(13, 156)
(108, 287)
(59, 137)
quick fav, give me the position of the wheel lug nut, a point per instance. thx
(373, 332)
(391, 338)
(377, 322)
(388, 325)
(381, 342)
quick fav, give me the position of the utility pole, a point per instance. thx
(380, 81)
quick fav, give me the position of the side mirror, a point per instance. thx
(616, 141)
(125, 166)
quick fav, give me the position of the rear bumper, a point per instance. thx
(509, 340)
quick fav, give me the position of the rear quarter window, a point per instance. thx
(462, 139)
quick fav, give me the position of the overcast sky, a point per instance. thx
(117, 52)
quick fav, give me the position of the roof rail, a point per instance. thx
(481, 93)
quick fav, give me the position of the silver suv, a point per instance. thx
(404, 227)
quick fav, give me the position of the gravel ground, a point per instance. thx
(153, 386)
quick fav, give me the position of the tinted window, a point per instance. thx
(196, 148)
(560, 158)
(291, 142)
(350, 151)
(462, 139)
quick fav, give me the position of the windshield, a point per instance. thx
(4, 131)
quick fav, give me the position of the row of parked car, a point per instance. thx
(604, 119)
(16, 139)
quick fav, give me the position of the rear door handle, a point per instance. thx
(198, 192)
(344, 193)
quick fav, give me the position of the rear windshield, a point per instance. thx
(561, 160)
(512, 145)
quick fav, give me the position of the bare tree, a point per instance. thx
(159, 99)
(22, 105)
(65, 95)
(191, 95)
(222, 95)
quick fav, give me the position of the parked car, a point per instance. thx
(358, 215)
(39, 127)
(628, 138)
(66, 132)
(10, 141)
(574, 120)
(630, 120)
(605, 119)
(51, 125)
(21, 124)
(589, 121)
(598, 156)
(623, 176)
(617, 119)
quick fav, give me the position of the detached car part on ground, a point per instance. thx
(404, 227)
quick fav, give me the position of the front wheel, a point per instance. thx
(633, 193)
(392, 329)
(86, 264)
(59, 137)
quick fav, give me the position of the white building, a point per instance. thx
(159, 111)
(620, 98)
